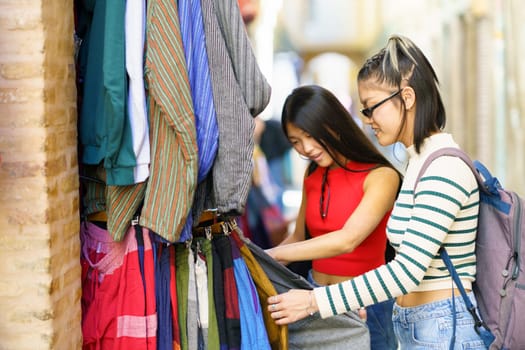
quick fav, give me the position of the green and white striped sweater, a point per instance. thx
(443, 209)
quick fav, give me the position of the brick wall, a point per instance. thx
(39, 243)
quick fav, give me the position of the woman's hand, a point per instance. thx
(292, 306)
(273, 253)
(270, 252)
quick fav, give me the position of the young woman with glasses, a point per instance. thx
(399, 90)
(348, 192)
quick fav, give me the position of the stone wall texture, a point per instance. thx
(39, 242)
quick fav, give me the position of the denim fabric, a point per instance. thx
(379, 322)
(430, 326)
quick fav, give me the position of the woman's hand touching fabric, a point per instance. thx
(292, 306)
(273, 253)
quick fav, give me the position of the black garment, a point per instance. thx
(226, 294)
(344, 331)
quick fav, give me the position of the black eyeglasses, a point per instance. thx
(367, 112)
(323, 204)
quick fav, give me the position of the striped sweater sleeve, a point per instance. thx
(441, 210)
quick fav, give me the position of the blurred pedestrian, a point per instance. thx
(275, 147)
(263, 220)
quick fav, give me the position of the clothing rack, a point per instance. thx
(150, 162)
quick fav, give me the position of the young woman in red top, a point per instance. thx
(348, 193)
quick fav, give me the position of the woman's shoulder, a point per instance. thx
(384, 176)
(452, 168)
(384, 171)
(447, 172)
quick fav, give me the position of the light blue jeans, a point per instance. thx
(430, 326)
(379, 322)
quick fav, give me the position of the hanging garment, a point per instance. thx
(183, 282)
(90, 62)
(166, 296)
(226, 294)
(168, 194)
(277, 335)
(218, 297)
(201, 281)
(122, 205)
(170, 187)
(118, 288)
(202, 243)
(344, 331)
(253, 330)
(193, 40)
(135, 31)
(92, 189)
(240, 92)
(105, 131)
(192, 326)
(174, 148)
(173, 179)
(211, 337)
(176, 330)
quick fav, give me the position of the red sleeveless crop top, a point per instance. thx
(346, 191)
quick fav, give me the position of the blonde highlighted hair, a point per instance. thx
(401, 60)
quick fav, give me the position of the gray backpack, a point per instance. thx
(500, 278)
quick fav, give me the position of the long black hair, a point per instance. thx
(319, 113)
(402, 60)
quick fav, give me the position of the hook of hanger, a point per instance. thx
(225, 228)
(207, 231)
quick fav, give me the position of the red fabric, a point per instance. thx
(346, 190)
(116, 314)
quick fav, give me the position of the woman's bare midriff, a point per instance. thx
(324, 279)
(407, 300)
(420, 298)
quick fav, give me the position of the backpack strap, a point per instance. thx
(489, 185)
(486, 184)
(478, 323)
